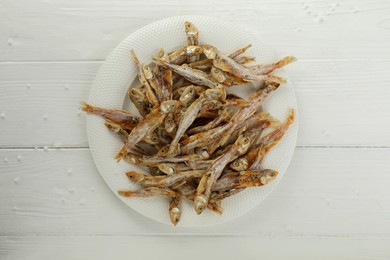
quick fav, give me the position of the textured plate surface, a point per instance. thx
(118, 73)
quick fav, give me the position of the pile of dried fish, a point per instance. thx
(198, 142)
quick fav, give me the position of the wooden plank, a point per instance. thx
(88, 30)
(226, 248)
(340, 102)
(326, 192)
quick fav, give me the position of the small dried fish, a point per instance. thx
(268, 68)
(270, 140)
(162, 181)
(152, 79)
(147, 192)
(153, 160)
(123, 118)
(227, 64)
(192, 34)
(175, 168)
(193, 75)
(165, 77)
(244, 179)
(148, 88)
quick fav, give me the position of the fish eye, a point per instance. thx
(163, 151)
(246, 140)
(191, 91)
(235, 164)
(173, 106)
(154, 138)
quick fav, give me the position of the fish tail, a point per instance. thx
(285, 61)
(273, 122)
(276, 79)
(247, 47)
(126, 193)
(291, 116)
(134, 57)
(121, 154)
(86, 107)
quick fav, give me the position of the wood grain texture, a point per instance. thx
(226, 248)
(326, 192)
(340, 103)
(48, 30)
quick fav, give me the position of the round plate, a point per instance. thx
(118, 72)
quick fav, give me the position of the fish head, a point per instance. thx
(112, 126)
(174, 215)
(243, 143)
(163, 150)
(216, 93)
(135, 176)
(188, 94)
(193, 50)
(239, 164)
(136, 94)
(170, 124)
(267, 176)
(210, 51)
(218, 74)
(148, 72)
(167, 168)
(200, 204)
(170, 106)
(202, 153)
(154, 138)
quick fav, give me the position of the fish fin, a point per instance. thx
(215, 206)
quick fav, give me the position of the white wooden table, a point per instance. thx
(333, 203)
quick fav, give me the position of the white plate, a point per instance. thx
(118, 73)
